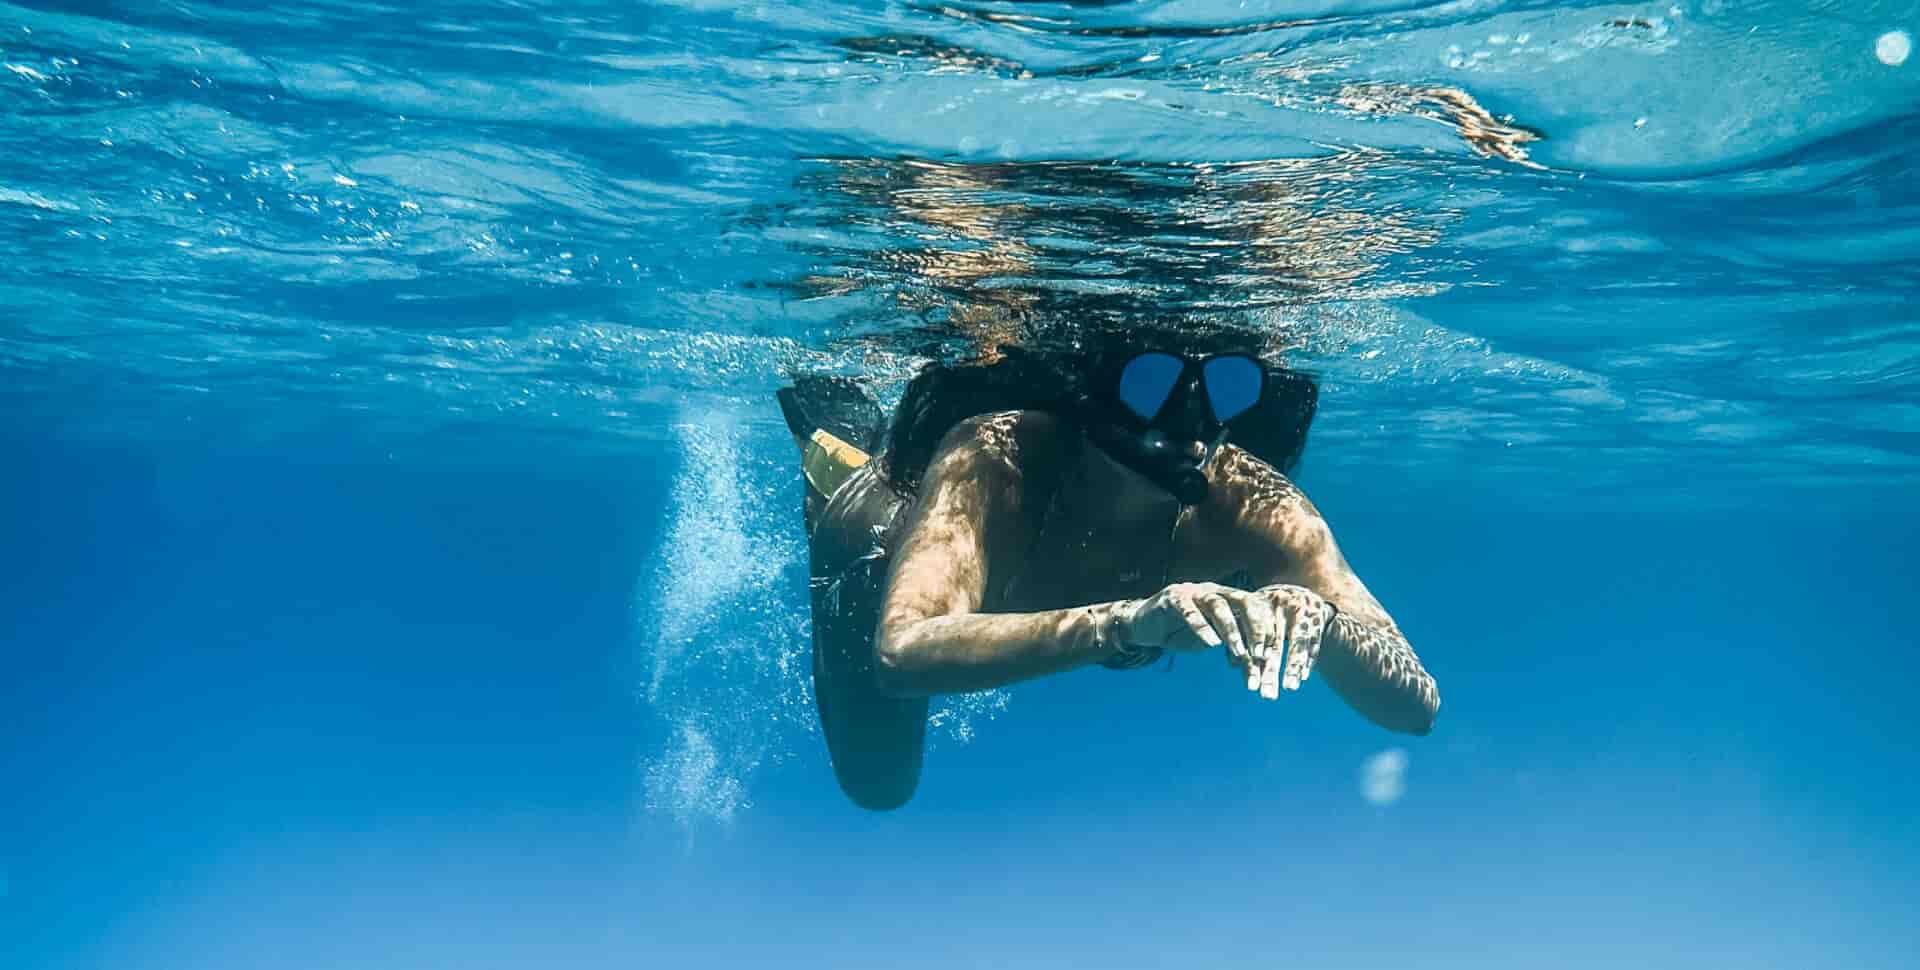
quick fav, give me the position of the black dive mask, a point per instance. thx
(1158, 405)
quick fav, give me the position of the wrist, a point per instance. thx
(1115, 647)
(1109, 628)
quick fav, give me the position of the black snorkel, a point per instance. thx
(1159, 449)
(1153, 456)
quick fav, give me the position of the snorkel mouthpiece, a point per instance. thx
(1156, 459)
(1189, 486)
(1178, 476)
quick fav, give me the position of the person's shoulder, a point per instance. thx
(1251, 488)
(1252, 500)
(1009, 431)
(1007, 442)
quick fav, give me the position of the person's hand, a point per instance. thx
(1181, 617)
(1300, 619)
(1272, 633)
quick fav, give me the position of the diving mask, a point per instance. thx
(1172, 411)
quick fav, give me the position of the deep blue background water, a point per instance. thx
(403, 561)
(326, 709)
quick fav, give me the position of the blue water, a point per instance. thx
(404, 567)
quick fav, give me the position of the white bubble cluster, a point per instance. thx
(690, 780)
(723, 629)
(723, 666)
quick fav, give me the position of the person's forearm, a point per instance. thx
(979, 651)
(1376, 671)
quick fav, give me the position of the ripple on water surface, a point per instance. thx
(1533, 239)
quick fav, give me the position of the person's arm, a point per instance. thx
(976, 513)
(1362, 653)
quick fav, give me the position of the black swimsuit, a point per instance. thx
(876, 741)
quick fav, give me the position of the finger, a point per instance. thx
(1307, 624)
(1262, 638)
(1196, 623)
(1263, 642)
(1220, 613)
(1242, 605)
(1323, 620)
(1276, 657)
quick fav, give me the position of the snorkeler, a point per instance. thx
(1038, 513)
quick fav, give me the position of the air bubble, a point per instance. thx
(1893, 47)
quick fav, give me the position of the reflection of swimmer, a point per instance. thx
(1033, 515)
(1484, 133)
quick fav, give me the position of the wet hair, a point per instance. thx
(942, 395)
(1070, 383)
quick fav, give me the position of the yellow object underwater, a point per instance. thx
(828, 461)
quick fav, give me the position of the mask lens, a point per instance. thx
(1233, 385)
(1147, 381)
